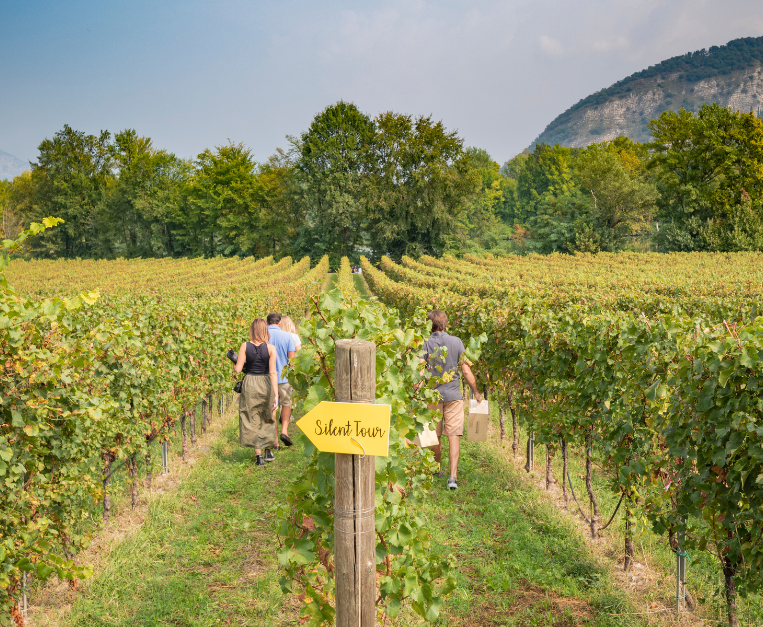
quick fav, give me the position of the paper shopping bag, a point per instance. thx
(479, 416)
(427, 438)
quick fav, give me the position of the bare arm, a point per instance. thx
(469, 377)
(273, 375)
(291, 354)
(241, 359)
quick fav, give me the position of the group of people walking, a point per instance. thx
(264, 360)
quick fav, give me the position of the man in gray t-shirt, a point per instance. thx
(444, 356)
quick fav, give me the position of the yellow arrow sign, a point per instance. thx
(332, 427)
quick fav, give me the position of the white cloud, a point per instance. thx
(552, 47)
(609, 45)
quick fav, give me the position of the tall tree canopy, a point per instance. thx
(69, 179)
(333, 159)
(702, 163)
(419, 183)
(394, 185)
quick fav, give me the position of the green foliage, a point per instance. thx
(92, 380)
(409, 570)
(702, 163)
(124, 198)
(47, 462)
(740, 230)
(70, 176)
(420, 182)
(622, 199)
(221, 200)
(714, 382)
(548, 172)
(333, 155)
(589, 200)
(393, 183)
(138, 204)
(560, 224)
(657, 361)
(484, 223)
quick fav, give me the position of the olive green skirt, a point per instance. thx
(256, 427)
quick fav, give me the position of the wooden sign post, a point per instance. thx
(355, 535)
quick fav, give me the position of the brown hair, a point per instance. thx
(258, 332)
(439, 320)
(287, 324)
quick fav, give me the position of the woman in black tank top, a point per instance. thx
(257, 359)
(259, 392)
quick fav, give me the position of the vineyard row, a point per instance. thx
(666, 392)
(89, 382)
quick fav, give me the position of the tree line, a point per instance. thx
(695, 187)
(348, 184)
(396, 185)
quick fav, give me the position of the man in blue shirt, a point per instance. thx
(285, 350)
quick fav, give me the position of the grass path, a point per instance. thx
(332, 279)
(206, 552)
(361, 287)
(520, 560)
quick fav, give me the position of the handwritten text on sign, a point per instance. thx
(332, 427)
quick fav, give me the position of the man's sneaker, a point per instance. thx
(269, 457)
(452, 483)
(286, 439)
(259, 461)
(437, 475)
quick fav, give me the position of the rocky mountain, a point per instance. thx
(11, 166)
(731, 75)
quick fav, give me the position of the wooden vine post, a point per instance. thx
(354, 526)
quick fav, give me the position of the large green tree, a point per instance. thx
(550, 198)
(332, 161)
(138, 208)
(484, 224)
(222, 201)
(621, 199)
(702, 162)
(419, 187)
(281, 215)
(68, 182)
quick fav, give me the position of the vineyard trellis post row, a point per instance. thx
(165, 454)
(530, 463)
(355, 484)
(680, 571)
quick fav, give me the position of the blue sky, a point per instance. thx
(194, 74)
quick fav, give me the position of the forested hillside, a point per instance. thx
(729, 75)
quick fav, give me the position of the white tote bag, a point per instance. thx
(427, 438)
(479, 417)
